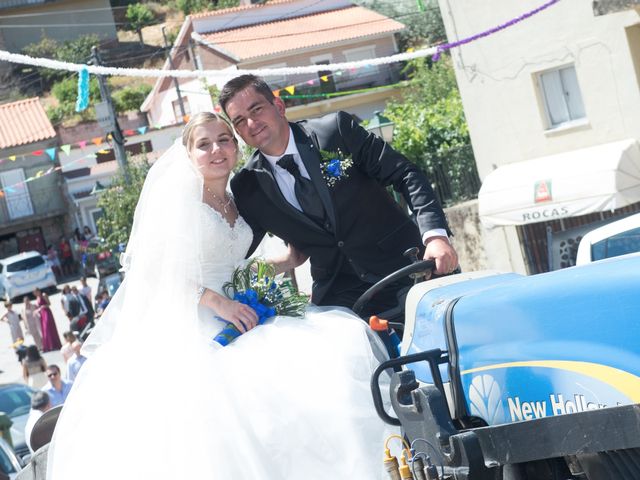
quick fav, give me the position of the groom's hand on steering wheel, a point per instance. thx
(242, 316)
(439, 249)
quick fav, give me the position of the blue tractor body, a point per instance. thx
(514, 350)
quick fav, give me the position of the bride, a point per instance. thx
(158, 399)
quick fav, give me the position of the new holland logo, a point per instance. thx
(485, 399)
(542, 191)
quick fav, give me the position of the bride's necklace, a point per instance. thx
(225, 205)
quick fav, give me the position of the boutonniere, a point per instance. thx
(334, 166)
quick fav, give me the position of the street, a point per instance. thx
(10, 369)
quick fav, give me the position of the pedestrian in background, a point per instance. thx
(70, 345)
(13, 319)
(40, 403)
(50, 337)
(32, 321)
(34, 368)
(56, 388)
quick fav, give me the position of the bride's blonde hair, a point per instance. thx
(203, 118)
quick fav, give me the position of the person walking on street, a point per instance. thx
(50, 337)
(32, 321)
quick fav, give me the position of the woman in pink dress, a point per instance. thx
(50, 337)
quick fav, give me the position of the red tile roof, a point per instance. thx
(24, 122)
(303, 32)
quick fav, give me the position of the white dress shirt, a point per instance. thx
(284, 179)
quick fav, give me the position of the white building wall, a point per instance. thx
(161, 112)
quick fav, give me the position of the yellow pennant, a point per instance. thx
(290, 89)
(40, 173)
(324, 78)
(12, 158)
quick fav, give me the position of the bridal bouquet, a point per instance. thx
(257, 286)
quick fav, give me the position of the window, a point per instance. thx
(620, 244)
(276, 81)
(561, 95)
(16, 193)
(362, 53)
(26, 264)
(177, 112)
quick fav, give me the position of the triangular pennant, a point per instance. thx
(109, 137)
(51, 169)
(39, 174)
(291, 89)
(128, 133)
(310, 82)
(276, 93)
(97, 141)
(186, 119)
(82, 143)
(52, 153)
(66, 149)
(142, 130)
(37, 153)
(324, 78)
(157, 126)
(12, 158)
(338, 73)
(103, 151)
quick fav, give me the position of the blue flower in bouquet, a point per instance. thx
(334, 166)
(255, 285)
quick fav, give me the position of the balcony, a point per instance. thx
(34, 204)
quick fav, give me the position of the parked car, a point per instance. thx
(15, 401)
(22, 273)
(611, 240)
(10, 464)
(99, 261)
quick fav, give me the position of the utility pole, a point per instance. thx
(175, 80)
(116, 133)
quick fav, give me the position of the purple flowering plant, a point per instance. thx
(334, 166)
(257, 285)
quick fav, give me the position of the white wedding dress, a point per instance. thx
(159, 400)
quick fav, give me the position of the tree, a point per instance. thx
(194, 6)
(431, 130)
(66, 91)
(130, 98)
(118, 203)
(139, 16)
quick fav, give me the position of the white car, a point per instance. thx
(610, 240)
(21, 274)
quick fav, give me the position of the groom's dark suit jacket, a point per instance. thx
(366, 231)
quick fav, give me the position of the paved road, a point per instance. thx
(11, 369)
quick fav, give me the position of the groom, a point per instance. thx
(341, 217)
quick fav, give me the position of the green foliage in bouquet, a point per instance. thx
(259, 277)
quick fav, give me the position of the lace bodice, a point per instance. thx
(223, 247)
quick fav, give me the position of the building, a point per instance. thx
(33, 213)
(279, 34)
(553, 108)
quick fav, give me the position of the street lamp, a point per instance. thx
(381, 126)
(97, 189)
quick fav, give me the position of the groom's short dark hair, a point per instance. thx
(238, 84)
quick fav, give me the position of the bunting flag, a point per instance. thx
(291, 89)
(157, 126)
(109, 137)
(39, 174)
(37, 153)
(66, 149)
(310, 82)
(12, 158)
(186, 118)
(276, 93)
(97, 141)
(103, 151)
(52, 153)
(142, 130)
(82, 143)
(324, 78)
(128, 133)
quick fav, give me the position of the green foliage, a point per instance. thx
(66, 91)
(431, 130)
(118, 203)
(421, 26)
(194, 6)
(74, 51)
(130, 98)
(139, 16)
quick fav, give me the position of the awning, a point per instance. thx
(568, 184)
